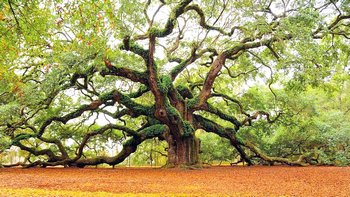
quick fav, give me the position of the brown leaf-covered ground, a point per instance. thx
(216, 181)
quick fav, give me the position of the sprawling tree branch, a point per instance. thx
(203, 23)
(133, 75)
(171, 22)
(129, 147)
(227, 133)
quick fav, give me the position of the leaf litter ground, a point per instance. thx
(214, 181)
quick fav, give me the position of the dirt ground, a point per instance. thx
(216, 181)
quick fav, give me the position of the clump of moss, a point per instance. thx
(184, 91)
(137, 49)
(130, 142)
(152, 121)
(165, 84)
(154, 130)
(172, 112)
(106, 96)
(192, 102)
(137, 108)
(139, 92)
(154, 31)
(22, 136)
(188, 129)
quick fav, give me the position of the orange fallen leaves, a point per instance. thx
(221, 181)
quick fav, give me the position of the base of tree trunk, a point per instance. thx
(185, 166)
(183, 152)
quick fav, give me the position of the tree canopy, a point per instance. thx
(271, 77)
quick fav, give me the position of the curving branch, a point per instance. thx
(224, 96)
(131, 45)
(239, 74)
(213, 110)
(238, 143)
(58, 143)
(267, 158)
(148, 3)
(64, 119)
(52, 157)
(210, 79)
(321, 31)
(231, 53)
(94, 105)
(176, 43)
(171, 22)
(203, 23)
(261, 113)
(129, 147)
(120, 71)
(98, 132)
(132, 105)
(193, 57)
(211, 126)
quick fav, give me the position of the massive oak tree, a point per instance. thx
(157, 69)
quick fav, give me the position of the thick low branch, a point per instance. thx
(129, 147)
(101, 131)
(210, 126)
(114, 95)
(267, 158)
(47, 152)
(58, 143)
(64, 119)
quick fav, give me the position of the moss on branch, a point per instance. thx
(192, 103)
(121, 71)
(210, 126)
(143, 89)
(165, 84)
(132, 105)
(224, 116)
(188, 129)
(184, 91)
(153, 130)
(171, 22)
(132, 46)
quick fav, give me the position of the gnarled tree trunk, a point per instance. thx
(183, 151)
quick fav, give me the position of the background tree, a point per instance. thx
(159, 69)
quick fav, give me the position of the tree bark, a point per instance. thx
(183, 151)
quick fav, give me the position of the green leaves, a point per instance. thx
(5, 142)
(215, 149)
